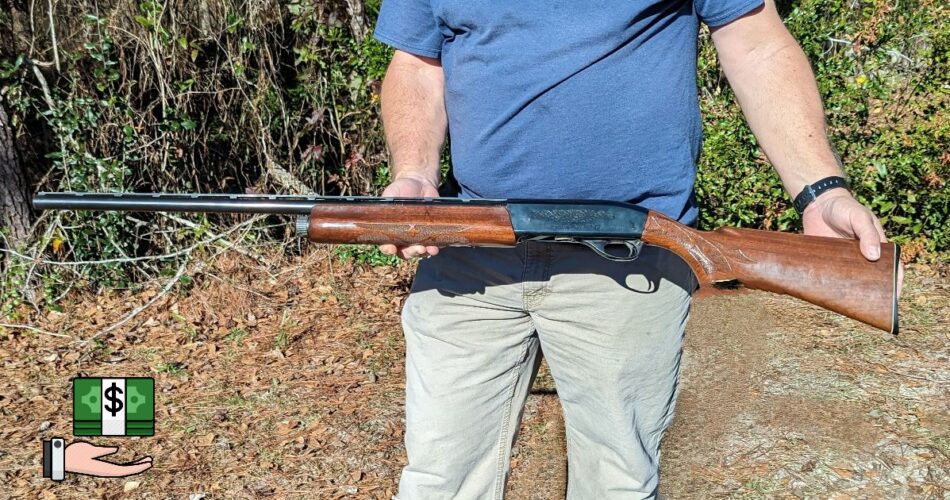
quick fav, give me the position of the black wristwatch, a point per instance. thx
(812, 191)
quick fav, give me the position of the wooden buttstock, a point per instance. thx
(828, 272)
(411, 224)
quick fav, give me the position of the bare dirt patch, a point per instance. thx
(287, 382)
(781, 398)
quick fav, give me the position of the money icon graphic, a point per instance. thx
(113, 406)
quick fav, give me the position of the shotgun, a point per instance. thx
(828, 272)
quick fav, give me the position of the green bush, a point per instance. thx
(883, 73)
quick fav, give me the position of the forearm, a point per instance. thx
(776, 89)
(413, 111)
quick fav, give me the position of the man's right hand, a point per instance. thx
(410, 185)
(412, 100)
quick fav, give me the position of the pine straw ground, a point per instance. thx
(287, 382)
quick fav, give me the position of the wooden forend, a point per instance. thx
(411, 224)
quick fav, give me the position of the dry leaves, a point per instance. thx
(322, 415)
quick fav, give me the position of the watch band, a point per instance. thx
(812, 191)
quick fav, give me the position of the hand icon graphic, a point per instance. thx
(82, 457)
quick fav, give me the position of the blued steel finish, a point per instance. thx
(221, 203)
(577, 219)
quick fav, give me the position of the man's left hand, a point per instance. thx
(837, 214)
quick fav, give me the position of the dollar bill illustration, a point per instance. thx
(113, 406)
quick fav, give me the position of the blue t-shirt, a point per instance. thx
(559, 99)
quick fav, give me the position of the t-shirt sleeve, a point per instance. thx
(410, 26)
(719, 12)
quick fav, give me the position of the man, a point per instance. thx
(556, 99)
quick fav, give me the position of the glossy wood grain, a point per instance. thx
(828, 272)
(411, 224)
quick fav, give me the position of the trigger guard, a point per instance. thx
(600, 248)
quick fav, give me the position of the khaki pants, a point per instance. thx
(611, 332)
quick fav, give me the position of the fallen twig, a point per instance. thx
(35, 329)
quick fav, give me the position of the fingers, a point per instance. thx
(107, 469)
(94, 467)
(409, 252)
(866, 228)
(102, 451)
(412, 251)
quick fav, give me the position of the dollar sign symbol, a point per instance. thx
(113, 399)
